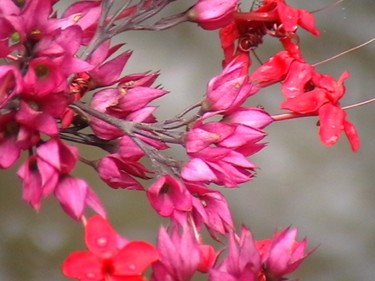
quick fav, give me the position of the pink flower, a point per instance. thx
(39, 180)
(110, 257)
(75, 194)
(218, 152)
(282, 254)
(13, 139)
(250, 116)
(59, 155)
(210, 208)
(11, 83)
(107, 72)
(242, 261)
(168, 195)
(129, 105)
(119, 168)
(86, 15)
(228, 90)
(180, 256)
(212, 14)
(117, 172)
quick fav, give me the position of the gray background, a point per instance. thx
(327, 193)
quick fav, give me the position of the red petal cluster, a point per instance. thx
(109, 256)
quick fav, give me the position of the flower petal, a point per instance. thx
(100, 237)
(84, 266)
(134, 258)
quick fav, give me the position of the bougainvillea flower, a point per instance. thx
(109, 256)
(242, 261)
(168, 194)
(212, 14)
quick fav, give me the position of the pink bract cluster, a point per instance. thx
(61, 77)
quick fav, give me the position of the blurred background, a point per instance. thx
(328, 193)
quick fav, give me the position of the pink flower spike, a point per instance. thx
(213, 14)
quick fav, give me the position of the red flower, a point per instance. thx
(322, 100)
(110, 257)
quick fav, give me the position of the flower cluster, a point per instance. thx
(62, 81)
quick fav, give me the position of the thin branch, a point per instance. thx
(331, 5)
(345, 52)
(124, 125)
(359, 104)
